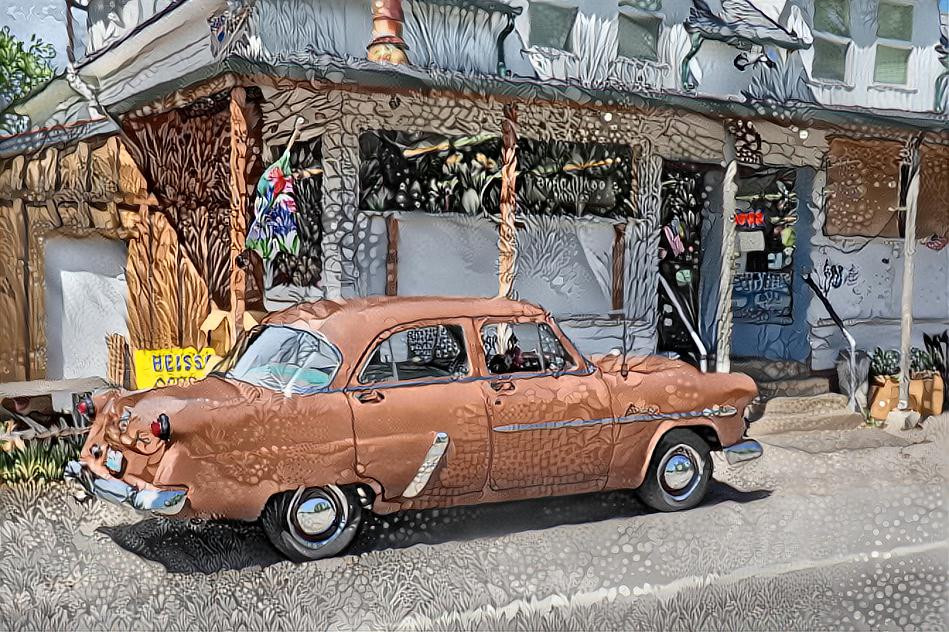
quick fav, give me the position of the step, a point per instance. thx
(792, 387)
(764, 370)
(821, 404)
(828, 411)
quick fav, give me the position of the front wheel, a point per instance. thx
(678, 473)
(312, 523)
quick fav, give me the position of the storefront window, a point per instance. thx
(410, 171)
(426, 196)
(563, 178)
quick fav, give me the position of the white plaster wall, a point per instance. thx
(564, 264)
(868, 297)
(110, 20)
(85, 302)
(339, 27)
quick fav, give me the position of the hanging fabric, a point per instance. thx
(274, 229)
(275, 225)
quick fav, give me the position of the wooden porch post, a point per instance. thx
(724, 314)
(507, 232)
(909, 251)
(238, 169)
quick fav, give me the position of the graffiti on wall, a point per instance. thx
(762, 297)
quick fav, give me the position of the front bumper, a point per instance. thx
(166, 502)
(747, 450)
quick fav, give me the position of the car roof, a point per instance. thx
(352, 323)
(401, 309)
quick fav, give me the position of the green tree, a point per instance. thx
(23, 67)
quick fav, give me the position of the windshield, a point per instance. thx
(283, 359)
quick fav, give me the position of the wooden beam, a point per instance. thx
(909, 252)
(392, 256)
(507, 231)
(724, 313)
(239, 201)
(618, 272)
(20, 210)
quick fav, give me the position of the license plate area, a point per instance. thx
(114, 461)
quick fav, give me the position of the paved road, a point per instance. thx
(843, 529)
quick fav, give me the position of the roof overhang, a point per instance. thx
(361, 74)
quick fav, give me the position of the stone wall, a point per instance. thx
(656, 135)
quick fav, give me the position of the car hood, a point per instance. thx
(613, 363)
(735, 388)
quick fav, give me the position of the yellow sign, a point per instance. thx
(160, 367)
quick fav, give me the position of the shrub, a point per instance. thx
(42, 459)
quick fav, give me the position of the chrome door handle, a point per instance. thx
(370, 397)
(502, 385)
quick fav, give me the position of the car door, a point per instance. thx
(419, 418)
(550, 413)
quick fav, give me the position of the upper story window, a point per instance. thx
(638, 30)
(551, 24)
(894, 42)
(831, 39)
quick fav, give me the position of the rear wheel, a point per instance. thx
(312, 523)
(678, 473)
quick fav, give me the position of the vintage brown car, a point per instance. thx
(388, 403)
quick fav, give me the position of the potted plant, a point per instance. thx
(926, 387)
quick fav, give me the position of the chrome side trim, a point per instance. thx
(552, 425)
(715, 411)
(747, 450)
(425, 470)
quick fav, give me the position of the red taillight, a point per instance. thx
(161, 427)
(86, 407)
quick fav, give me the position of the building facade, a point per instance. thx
(678, 167)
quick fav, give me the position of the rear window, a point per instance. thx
(285, 359)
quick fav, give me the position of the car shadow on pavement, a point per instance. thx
(208, 547)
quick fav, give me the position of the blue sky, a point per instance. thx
(944, 5)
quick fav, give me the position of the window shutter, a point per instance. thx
(863, 179)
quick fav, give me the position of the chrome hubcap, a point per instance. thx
(315, 516)
(678, 472)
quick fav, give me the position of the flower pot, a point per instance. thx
(926, 393)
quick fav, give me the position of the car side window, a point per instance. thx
(421, 352)
(523, 348)
(556, 357)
